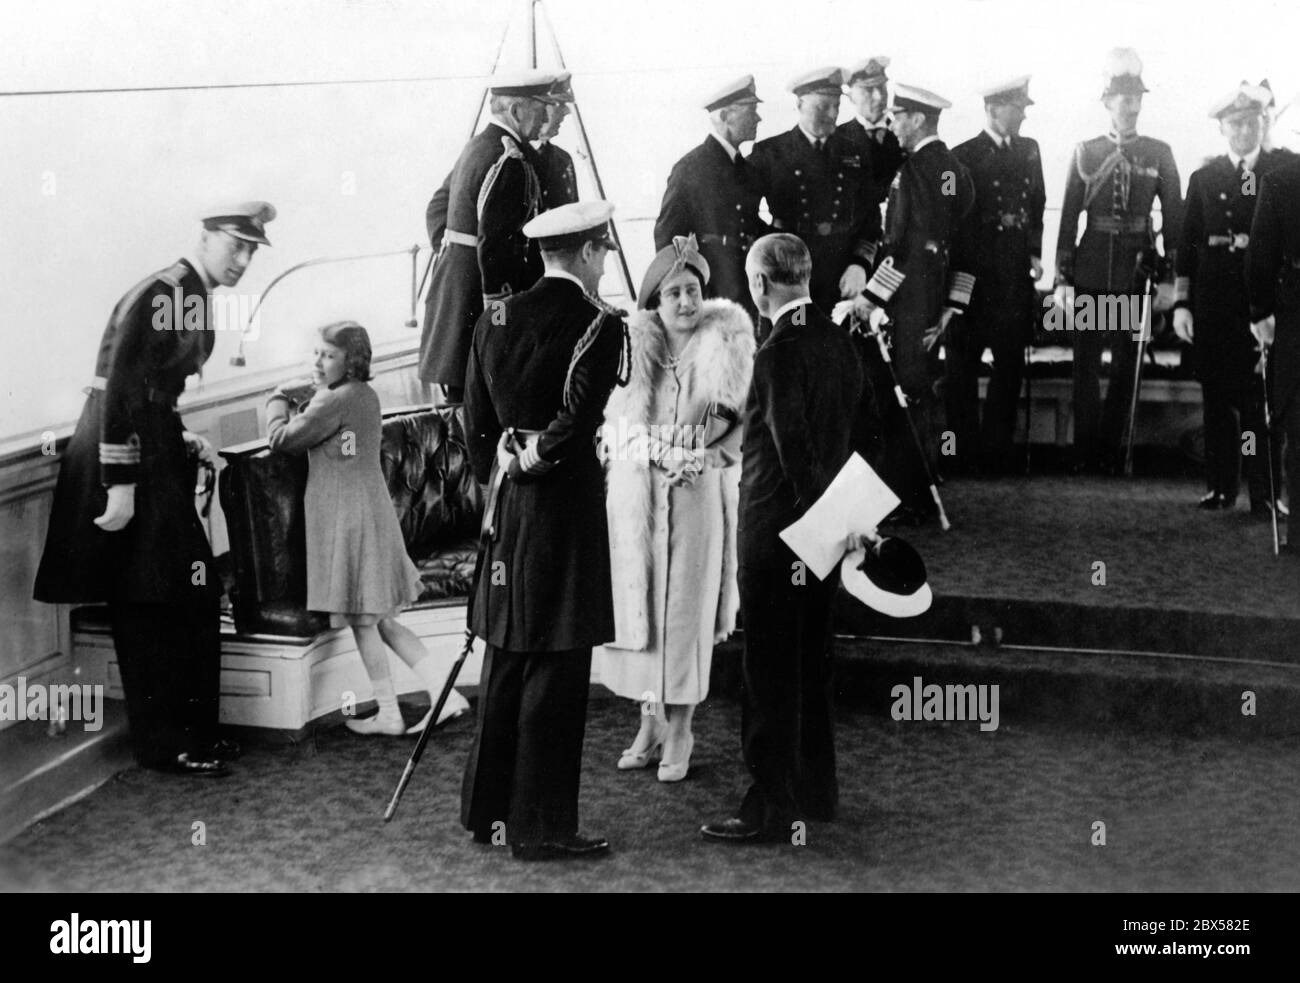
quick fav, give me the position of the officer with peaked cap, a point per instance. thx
(1007, 232)
(817, 186)
(493, 190)
(541, 368)
(1211, 306)
(869, 130)
(123, 528)
(711, 192)
(1115, 179)
(923, 280)
(1273, 286)
(557, 174)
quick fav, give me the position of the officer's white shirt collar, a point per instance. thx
(731, 151)
(869, 126)
(998, 138)
(809, 137)
(1251, 158)
(928, 140)
(785, 309)
(557, 274)
(208, 283)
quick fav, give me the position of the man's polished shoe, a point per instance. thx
(733, 831)
(570, 848)
(1212, 502)
(190, 764)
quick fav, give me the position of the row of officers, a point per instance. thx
(927, 246)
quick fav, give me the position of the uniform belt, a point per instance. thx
(1119, 226)
(742, 241)
(460, 238)
(1234, 242)
(810, 228)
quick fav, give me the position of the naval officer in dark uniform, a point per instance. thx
(869, 129)
(540, 372)
(123, 528)
(1273, 285)
(711, 193)
(806, 387)
(818, 187)
(1211, 306)
(1115, 179)
(556, 172)
(494, 189)
(921, 283)
(1007, 237)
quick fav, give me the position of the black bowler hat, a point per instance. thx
(888, 576)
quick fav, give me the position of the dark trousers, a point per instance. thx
(1099, 431)
(1229, 409)
(169, 656)
(986, 441)
(787, 731)
(526, 762)
(1286, 428)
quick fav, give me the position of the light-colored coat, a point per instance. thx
(716, 367)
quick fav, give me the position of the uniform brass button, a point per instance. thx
(797, 172)
(995, 184)
(1222, 196)
(839, 187)
(836, 202)
(803, 201)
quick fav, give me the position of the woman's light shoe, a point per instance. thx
(386, 722)
(676, 771)
(456, 706)
(630, 761)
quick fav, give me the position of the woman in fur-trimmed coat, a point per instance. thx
(671, 440)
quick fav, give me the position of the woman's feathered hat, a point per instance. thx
(682, 252)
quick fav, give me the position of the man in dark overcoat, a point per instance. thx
(542, 366)
(1006, 258)
(493, 190)
(123, 527)
(806, 386)
(1211, 306)
(711, 193)
(1273, 283)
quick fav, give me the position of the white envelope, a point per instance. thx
(855, 502)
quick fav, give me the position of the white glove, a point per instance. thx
(853, 280)
(505, 454)
(1063, 297)
(1264, 331)
(841, 311)
(200, 446)
(120, 509)
(877, 318)
(1183, 323)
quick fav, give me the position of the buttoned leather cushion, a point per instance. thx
(439, 507)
